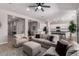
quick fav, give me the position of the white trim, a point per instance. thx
(3, 43)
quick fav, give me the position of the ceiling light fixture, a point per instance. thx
(39, 7)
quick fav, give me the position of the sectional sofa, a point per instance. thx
(44, 40)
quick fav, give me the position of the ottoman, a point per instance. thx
(31, 48)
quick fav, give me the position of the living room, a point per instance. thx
(37, 28)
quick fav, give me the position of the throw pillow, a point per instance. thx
(50, 38)
(61, 48)
(37, 36)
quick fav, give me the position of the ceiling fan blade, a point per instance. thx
(42, 9)
(32, 6)
(41, 4)
(46, 6)
(36, 9)
(37, 4)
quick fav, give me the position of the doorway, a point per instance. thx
(16, 25)
(32, 27)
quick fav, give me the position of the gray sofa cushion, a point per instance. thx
(43, 41)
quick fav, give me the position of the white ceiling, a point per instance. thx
(57, 10)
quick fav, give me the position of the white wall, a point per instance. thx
(3, 28)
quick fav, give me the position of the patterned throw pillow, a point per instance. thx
(37, 36)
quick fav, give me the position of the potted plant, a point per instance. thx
(72, 28)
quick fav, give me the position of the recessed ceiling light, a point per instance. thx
(28, 9)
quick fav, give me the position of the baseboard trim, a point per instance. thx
(3, 43)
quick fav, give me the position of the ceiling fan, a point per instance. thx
(40, 6)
